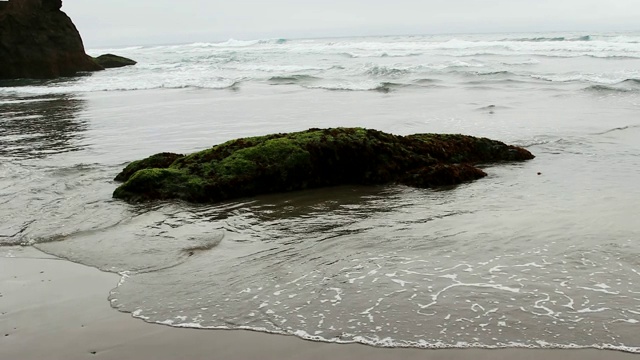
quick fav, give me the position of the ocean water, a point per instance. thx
(538, 254)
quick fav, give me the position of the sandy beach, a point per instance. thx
(55, 309)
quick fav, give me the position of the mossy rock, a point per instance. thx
(160, 161)
(310, 159)
(113, 61)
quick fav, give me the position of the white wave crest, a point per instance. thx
(605, 79)
(120, 84)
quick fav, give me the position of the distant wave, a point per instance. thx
(628, 85)
(427, 81)
(474, 74)
(567, 55)
(39, 90)
(582, 38)
(591, 78)
(605, 89)
(386, 87)
(483, 53)
(231, 85)
(237, 43)
(613, 57)
(493, 73)
(488, 82)
(538, 39)
(229, 43)
(559, 38)
(457, 64)
(274, 67)
(621, 128)
(540, 140)
(521, 62)
(379, 54)
(291, 79)
(556, 78)
(383, 87)
(381, 70)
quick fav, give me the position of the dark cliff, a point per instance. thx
(37, 40)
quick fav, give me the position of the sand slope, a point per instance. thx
(55, 309)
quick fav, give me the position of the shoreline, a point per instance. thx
(55, 309)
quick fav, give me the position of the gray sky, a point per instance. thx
(138, 22)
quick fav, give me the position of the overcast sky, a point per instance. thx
(139, 22)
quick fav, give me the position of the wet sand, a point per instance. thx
(55, 309)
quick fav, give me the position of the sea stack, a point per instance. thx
(39, 41)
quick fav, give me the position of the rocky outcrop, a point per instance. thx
(37, 40)
(311, 159)
(108, 61)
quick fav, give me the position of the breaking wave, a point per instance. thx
(356, 63)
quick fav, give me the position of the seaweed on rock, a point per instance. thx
(310, 159)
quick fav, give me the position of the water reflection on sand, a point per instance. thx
(38, 126)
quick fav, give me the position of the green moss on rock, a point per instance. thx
(148, 184)
(310, 159)
(160, 161)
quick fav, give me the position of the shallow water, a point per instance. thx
(515, 259)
